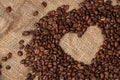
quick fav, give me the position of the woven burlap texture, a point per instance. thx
(21, 19)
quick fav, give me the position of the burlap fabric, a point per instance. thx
(21, 18)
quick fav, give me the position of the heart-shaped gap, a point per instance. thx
(83, 49)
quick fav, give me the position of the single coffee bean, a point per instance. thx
(0, 66)
(8, 67)
(0, 72)
(29, 75)
(80, 34)
(26, 33)
(35, 13)
(102, 76)
(8, 9)
(4, 58)
(23, 61)
(44, 4)
(21, 41)
(26, 64)
(9, 55)
(20, 53)
(116, 44)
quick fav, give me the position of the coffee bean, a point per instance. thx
(0, 66)
(26, 64)
(21, 41)
(20, 53)
(102, 76)
(116, 44)
(8, 67)
(80, 34)
(23, 61)
(29, 75)
(35, 13)
(0, 73)
(9, 55)
(44, 4)
(8, 9)
(26, 33)
(4, 58)
(0, 69)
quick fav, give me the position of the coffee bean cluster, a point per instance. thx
(47, 60)
(7, 57)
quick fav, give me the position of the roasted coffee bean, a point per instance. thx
(4, 58)
(9, 55)
(44, 4)
(26, 64)
(0, 66)
(0, 72)
(21, 41)
(35, 13)
(20, 53)
(29, 75)
(23, 61)
(0, 69)
(26, 33)
(8, 67)
(8, 9)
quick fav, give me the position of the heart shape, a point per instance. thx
(83, 49)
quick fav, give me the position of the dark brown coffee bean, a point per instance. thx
(20, 53)
(80, 34)
(8, 67)
(44, 4)
(4, 58)
(23, 61)
(8, 9)
(26, 64)
(116, 44)
(0, 66)
(9, 55)
(35, 13)
(29, 75)
(102, 76)
(21, 41)
(0, 72)
(26, 33)
(66, 7)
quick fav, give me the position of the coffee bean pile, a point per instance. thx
(47, 60)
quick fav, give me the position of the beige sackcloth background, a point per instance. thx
(21, 19)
